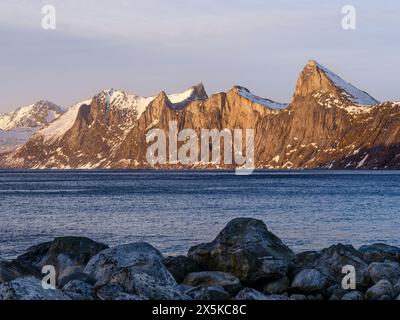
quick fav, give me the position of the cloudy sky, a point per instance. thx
(147, 46)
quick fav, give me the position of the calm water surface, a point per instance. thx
(175, 210)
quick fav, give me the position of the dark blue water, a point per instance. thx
(175, 210)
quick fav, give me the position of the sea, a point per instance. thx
(174, 210)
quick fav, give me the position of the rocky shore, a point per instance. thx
(244, 262)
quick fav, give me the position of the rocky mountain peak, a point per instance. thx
(317, 79)
(31, 116)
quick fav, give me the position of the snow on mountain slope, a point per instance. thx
(245, 93)
(62, 124)
(32, 116)
(355, 95)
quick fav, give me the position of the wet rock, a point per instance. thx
(208, 293)
(380, 291)
(78, 290)
(214, 278)
(277, 287)
(379, 252)
(180, 267)
(110, 292)
(241, 249)
(309, 280)
(334, 258)
(66, 254)
(384, 271)
(353, 295)
(141, 256)
(29, 288)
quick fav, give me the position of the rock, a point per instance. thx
(336, 292)
(304, 260)
(398, 298)
(298, 297)
(250, 294)
(309, 280)
(180, 267)
(240, 249)
(353, 295)
(111, 292)
(80, 276)
(334, 258)
(384, 271)
(141, 256)
(208, 293)
(78, 290)
(380, 290)
(66, 254)
(277, 287)
(28, 288)
(214, 278)
(272, 268)
(379, 252)
(145, 285)
(10, 270)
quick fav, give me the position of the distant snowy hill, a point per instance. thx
(18, 126)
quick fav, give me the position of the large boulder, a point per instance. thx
(380, 252)
(309, 280)
(384, 271)
(241, 249)
(334, 258)
(137, 270)
(141, 256)
(29, 288)
(10, 270)
(180, 267)
(66, 254)
(383, 290)
(227, 281)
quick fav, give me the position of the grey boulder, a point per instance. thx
(241, 249)
(379, 252)
(384, 271)
(309, 280)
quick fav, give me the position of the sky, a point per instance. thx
(144, 47)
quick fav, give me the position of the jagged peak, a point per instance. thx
(317, 78)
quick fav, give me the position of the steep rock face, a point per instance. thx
(329, 124)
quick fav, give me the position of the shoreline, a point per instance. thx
(244, 262)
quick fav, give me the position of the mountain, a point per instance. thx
(328, 124)
(18, 126)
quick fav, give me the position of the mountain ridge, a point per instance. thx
(328, 124)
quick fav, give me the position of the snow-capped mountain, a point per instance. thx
(328, 124)
(18, 126)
